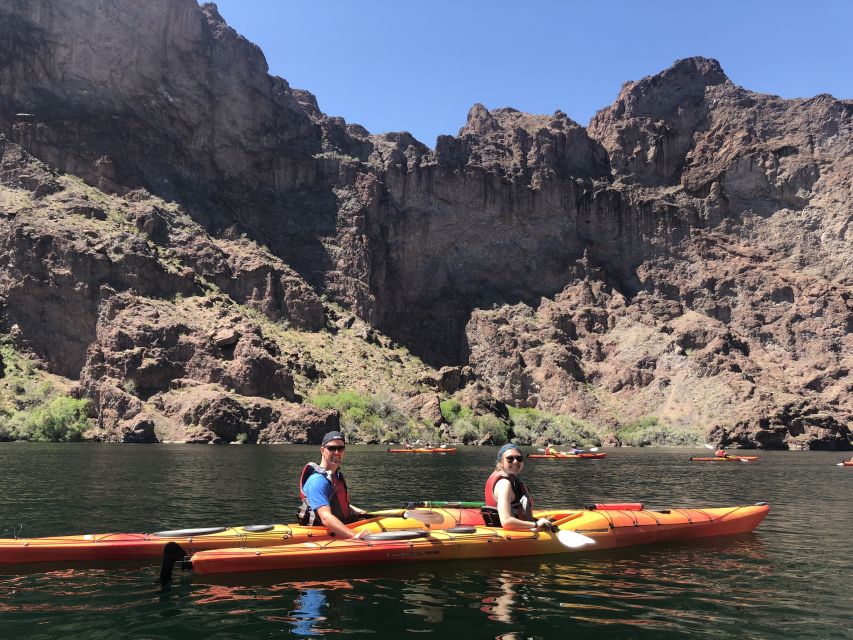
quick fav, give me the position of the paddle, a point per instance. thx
(427, 517)
(387, 513)
(573, 539)
(450, 504)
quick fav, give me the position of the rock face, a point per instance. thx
(686, 256)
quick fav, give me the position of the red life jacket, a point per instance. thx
(522, 505)
(721, 453)
(339, 503)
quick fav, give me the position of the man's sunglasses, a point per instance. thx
(514, 458)
(335, 449)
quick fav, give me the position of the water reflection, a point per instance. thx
(311, 605)
(502, 605)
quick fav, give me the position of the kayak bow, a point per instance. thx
(136, 546)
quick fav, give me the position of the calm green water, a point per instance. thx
(787, 580)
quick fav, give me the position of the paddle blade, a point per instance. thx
(593, 449)
(427, 517)
(573, 539)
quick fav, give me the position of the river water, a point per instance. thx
(789, 579)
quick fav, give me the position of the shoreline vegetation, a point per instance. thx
(39, 407)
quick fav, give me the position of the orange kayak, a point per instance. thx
(605, 530)
(726, 459)
(135, 546)
(848, 463)
(582, 456)
(430, 450)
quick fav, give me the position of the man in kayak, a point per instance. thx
(324, 491)
(507, 495)
(721, 453)
(549, 450)
(575, 450)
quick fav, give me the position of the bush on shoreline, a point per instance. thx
(532, 426)
(63, 419)
(650, 432)
(367, 418)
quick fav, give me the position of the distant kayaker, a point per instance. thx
(575, 450)
(549, 450)
(507, 496)
(323, 490)
(721, 453)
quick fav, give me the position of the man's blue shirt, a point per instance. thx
(318, 490)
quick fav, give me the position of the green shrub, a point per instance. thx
(63, 419)
(367, 417)
(452, 410)
(649, 431)
(531, 425)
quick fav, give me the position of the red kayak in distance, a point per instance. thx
(726, 459)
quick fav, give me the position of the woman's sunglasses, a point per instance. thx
(335, 449)
(514, 458)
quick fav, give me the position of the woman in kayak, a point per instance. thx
(507, 495)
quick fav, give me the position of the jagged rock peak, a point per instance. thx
(483, 122)
(654, 96)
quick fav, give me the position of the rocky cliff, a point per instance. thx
(178, 228)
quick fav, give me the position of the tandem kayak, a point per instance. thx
(582, 456)
(135, 546)
(726, 459)
(422, 450)
(604, 529)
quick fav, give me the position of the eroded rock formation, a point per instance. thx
(686, 256)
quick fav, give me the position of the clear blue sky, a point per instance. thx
(419, 65)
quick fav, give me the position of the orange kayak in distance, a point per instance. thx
(573, 456)
(422, 450)
(726, 459)
(604, 529)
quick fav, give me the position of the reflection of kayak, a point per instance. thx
(583, 456)
(422, 450)
(608, 530)
(133, 546)
(726, 459)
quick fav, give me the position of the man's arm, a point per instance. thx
(334, 525)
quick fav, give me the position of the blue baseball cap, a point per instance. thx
(505, 448)
(332, 435)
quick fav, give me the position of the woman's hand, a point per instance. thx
(542, 523)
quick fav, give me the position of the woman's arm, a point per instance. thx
(503, 494)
